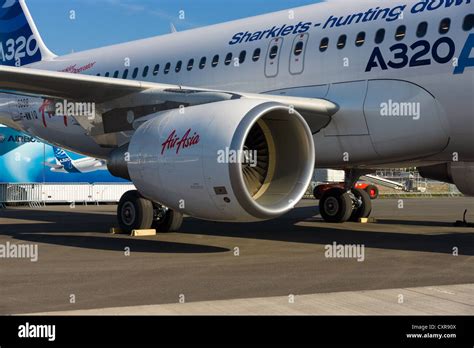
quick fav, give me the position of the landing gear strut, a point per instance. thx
(341, 204)
(135, 212)
(166, 220)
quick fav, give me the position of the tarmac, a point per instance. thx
(411, 261)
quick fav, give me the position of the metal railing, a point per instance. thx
(37, 194)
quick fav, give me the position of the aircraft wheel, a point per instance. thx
(373, 191)
(134, 212)
(335, 205)
(166, 220)
(363, 205)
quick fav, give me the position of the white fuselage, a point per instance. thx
(308, 72)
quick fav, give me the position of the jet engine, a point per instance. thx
(460, 174)
(238, 160)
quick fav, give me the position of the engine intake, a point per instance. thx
(239, 160)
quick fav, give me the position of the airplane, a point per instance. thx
(65, 164)
(353, 86)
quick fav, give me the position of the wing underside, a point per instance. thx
(116, 98)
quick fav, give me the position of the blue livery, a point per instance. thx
(18, 44)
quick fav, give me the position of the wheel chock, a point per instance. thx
(116, 230)
(367, 220)
(143, 233)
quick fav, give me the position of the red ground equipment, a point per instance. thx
(372, 190)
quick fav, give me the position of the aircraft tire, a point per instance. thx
(365, 209)
(169, 221)
(335, 206)
(134, 212)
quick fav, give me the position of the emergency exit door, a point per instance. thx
(272, 63)
(297, 55)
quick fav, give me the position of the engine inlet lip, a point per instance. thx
(235, 169)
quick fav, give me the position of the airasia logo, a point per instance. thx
(175, 142)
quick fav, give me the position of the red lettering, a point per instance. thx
(174, 142)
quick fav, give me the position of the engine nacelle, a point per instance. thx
(238, 160)
(460, 174)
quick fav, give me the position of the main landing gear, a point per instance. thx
(340, 204)
(135, 212)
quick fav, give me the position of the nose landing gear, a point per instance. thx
(341, 204)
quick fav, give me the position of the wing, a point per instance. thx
(116, 97)
(53, 166)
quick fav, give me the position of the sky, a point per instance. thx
(76, 25)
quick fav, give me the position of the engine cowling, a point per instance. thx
(238, 160)
(460, 174)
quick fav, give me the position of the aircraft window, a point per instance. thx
(116, 74)
(215, 61)
(256, 54)
(98, 74)
(202, 63)
(107, 74)
(274, 52)
(341, 43)
(242, 57)
(401, 32)
(422, 29)
(156, 69)
(360, 39)
(190, 64)
(167, 68)
(228, 59)
(135, 73)
(179, 65)
(324, 44)
(444, 26)
(380, 36)
(468, 22)
(299, 48)
(145, 71)
(125, 74)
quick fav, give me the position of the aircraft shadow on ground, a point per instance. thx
(63, 228)
(60, 228)
(119, 244)
(287, 230)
